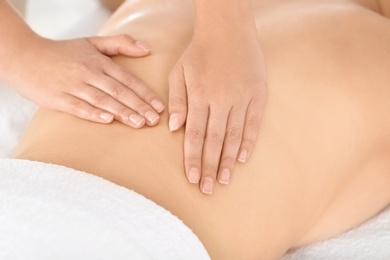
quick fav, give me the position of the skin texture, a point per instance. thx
(320, 165)
(83, 80)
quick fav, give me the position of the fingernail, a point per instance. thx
(137, 120)
(157, 105)
(193, 175)
(151, 117)
(142, 46)
(243, 156)
(208, 186)
(224, 176)
(106, 117)
(174, 122)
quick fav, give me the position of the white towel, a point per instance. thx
(53, 212)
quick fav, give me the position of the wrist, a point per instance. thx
(216, 13)
(20, 58)
(219, 18)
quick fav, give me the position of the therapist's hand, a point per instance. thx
(79, 77)
(218, 87)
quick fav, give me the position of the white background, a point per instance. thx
(56, 18)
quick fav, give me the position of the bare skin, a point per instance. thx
(203, 97)
(321, 163)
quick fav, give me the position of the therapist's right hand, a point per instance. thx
(78, 77)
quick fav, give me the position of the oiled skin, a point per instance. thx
(321, 164)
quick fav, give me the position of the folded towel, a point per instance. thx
(53, 212)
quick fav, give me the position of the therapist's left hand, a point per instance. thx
(218, 87)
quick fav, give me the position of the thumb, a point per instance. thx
(120, 45)
(177, 99)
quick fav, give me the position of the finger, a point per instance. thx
(231, 146)
(81, 109)
(193, 141)
(126, 97)
(177, 100)
(104, 101)
(119, 45)
(136, 85)
(251, 129)
(212, 149)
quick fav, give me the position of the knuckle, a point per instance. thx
(100, 99)
(93, 113)
(252, 121)
(118, 92)
(192, 159)
(194, 135)
(141, 107)
(228, 160)
(248, 142)
(75, 108)
(210, 169)
(145, 92)
(233, 133)
(121, 113)
(149, 95)
(214, 138)
(177, 101)
(131, 81)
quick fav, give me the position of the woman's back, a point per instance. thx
(323, 136)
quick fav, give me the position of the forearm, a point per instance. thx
(17, 36)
